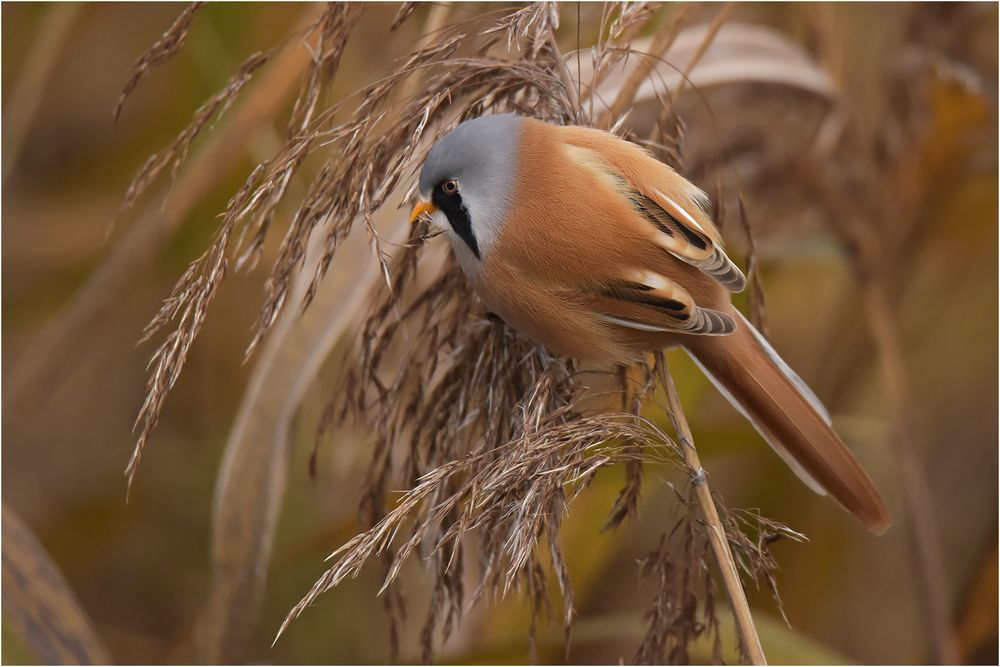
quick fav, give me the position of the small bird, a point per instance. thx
(587, 244)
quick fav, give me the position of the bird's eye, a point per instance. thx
(450, 187)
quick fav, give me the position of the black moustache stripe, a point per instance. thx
(458, 217)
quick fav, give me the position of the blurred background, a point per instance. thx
(909, 374)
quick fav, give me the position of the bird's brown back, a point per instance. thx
(570, 230)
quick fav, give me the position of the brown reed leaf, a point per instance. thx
(40, 610)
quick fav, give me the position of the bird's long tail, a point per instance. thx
(747, 370)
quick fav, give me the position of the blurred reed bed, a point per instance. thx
(479, 392)
(425, 353)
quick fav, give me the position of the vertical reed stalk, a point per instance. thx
(716, 533)
(664, 38)
(923, 533)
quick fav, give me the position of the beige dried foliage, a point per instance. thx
(189, 301)
(488, 428)
(683, 609)
(493, 436)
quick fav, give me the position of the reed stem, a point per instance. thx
(716, 533)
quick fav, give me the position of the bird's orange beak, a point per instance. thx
(422, 207)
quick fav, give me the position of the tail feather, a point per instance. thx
(751, 375)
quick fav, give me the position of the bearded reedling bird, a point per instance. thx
(587, 244)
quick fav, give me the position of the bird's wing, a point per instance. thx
(647, 301)
(683, 237)
(671, 205)
(609, 244)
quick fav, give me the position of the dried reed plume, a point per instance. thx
(494, 436)
(165, 48)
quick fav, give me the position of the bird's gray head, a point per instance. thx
(466, 183)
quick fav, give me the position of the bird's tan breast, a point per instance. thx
(549, 316)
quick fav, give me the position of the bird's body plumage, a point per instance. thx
(574, 257)
(599, 251)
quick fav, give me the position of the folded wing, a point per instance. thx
(670, 205)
